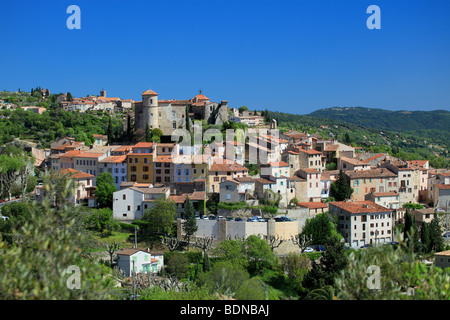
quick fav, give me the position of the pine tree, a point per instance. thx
(69, 96)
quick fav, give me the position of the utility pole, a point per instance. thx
(135, 237)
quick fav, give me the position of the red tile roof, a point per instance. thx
(359, 206)
(313, 205)
(75, 174)
(149, 93)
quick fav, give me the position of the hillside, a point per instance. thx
(388, 120)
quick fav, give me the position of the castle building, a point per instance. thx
(169, 115)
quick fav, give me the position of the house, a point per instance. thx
(131, 203)
(84, 188)
(373, 180)
(273, 185)
(312, 189)
(300, 158)
(408, 180)
(276, 169)
(423, 215)
(220, 172)
(140, 163)
(389, 200)
(117, 166)
(230, 191)
(442, 196)
(198, 199)
(314, 207)
(442, 259)
(139, 261)
(88, 162)
(345, 163)
(363, 222)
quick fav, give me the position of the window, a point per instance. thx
(145, 168)
(145, 177)
(139, 208)
(129, 208)
(133, 168)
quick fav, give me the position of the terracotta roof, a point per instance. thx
(89, 155)
(164, 158)
(227, 167)
(144, 145)
(114, 159)
(359, 206)
(75, 174)
(354, 162)
(265, 181)
(385, 194)
(129, 252)
(443, 253)
(70, 153)
(331, 148)
(244, 179)
(149, 93)
(278, 164)
(196, 196)
(371, 173)
(150, 190)
(373, 158)
(313, 205)
(201, 97)
(443, 186)
(309, 151)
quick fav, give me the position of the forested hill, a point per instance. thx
(388, 120)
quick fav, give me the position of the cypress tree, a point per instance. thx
(110, 133)
(190, 226)
(340, 189)
(188, 123)
(425, 237)
(148, 133)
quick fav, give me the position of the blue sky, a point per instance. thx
(292, 56)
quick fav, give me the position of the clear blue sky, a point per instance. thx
(291, 56)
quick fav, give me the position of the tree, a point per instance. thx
(110, 131)
(190, 225)
(112, 248)
(259, 254)
(156, 135)
(105, 189)
(39, 265)
(178, 265)
(340, 189)
(161, 216)
(242, 109)
(410, 234)
(188, 122)
(435, 230)
(425, 237)
(148, 133)
(102, 220)
(320, 228)
(332, 261)
(69, 96)
(10, 166)
(233, 251)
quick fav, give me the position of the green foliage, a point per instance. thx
(259, 254)
(233, 251)
(340, 189)
(401, 273)
(192, 293)
(333, 260)
(412, 206)
(224, 278)
(161, 216)
(255, 289)
(102, 221)
(36, 265)
(190, 226)
(321, 227)
(177, 265)
(105, 189)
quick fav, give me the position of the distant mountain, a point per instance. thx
(388, 120)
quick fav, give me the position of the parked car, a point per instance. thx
(205, 218)
(250, 220)
(365, 246)
(446, 235)
(229, 219)
(238, 219)
(212, 218)
(283, 218)
(308, 249)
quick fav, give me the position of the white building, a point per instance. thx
(363, 222)
(131, 203)
(140, 261)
